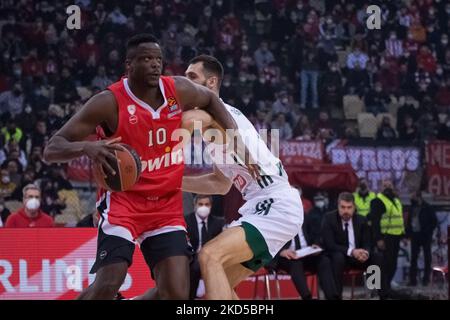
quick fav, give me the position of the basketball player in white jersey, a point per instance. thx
(273, 213)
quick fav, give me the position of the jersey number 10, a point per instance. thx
(160, 137)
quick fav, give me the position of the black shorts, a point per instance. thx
(113, 249)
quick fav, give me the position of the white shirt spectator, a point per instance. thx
(9, 102)
(285, 131)
(357, 58)
(394, 47)
(117, 17)
(263, 58)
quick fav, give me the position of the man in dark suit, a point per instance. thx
(346, 240)
(201, 227)
(288, 261)
(420, 225)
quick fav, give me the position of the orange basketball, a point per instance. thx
(128, 170)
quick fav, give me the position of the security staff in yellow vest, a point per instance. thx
(386, 219)
(363, 197)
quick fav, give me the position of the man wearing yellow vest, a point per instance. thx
(363, 197)
(386, 217)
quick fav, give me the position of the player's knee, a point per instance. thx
(207, 255)
(179, 291)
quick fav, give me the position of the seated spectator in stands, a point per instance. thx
(303, 130)
(260, 122)
(13, 151)
(4, 211)
(37, 162)
(39, 136)
(263, 56)
(408, 131)
(346, 240)
(54, 118)
(283, 127)
(65, 89)
(6, 185)
(26, 120)
(323, 125)
(262, 90)
(12, 132)
(28, 177)
(426, 60)
(30, 216)
(357, 58)
(201, 227)
(12, 101)
(14, 169)
(89, 221)
(282, 103)
(50, 186)
(330, 87)
(385, 131)
(246, 104)
(101, 80)
(296, 267)
(376, 99)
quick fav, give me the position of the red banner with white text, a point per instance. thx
(294, 152)
(438, 168)
(54, 264)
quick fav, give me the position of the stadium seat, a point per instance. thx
(367, 125)
(353, 105)
(263, 272)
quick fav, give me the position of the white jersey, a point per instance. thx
(273, 176)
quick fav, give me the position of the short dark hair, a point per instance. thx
(137, 39)
(202, 196)
(210, 64)
(346, 196)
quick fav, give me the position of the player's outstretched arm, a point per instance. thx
(210, 183)
(68, 142)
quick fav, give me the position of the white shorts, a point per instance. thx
(278, 216)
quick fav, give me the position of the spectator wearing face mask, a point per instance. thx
(30, 216)
(201, 228)
(315, 217)
(363, 197)
(385, 131)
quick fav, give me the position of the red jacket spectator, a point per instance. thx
(20, 219)
(426, 60)
(32, 66)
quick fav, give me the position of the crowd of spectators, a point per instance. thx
(289, 65)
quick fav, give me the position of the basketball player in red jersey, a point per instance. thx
(141, 110)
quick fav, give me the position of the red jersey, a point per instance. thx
(20, 219)
(155, 201)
